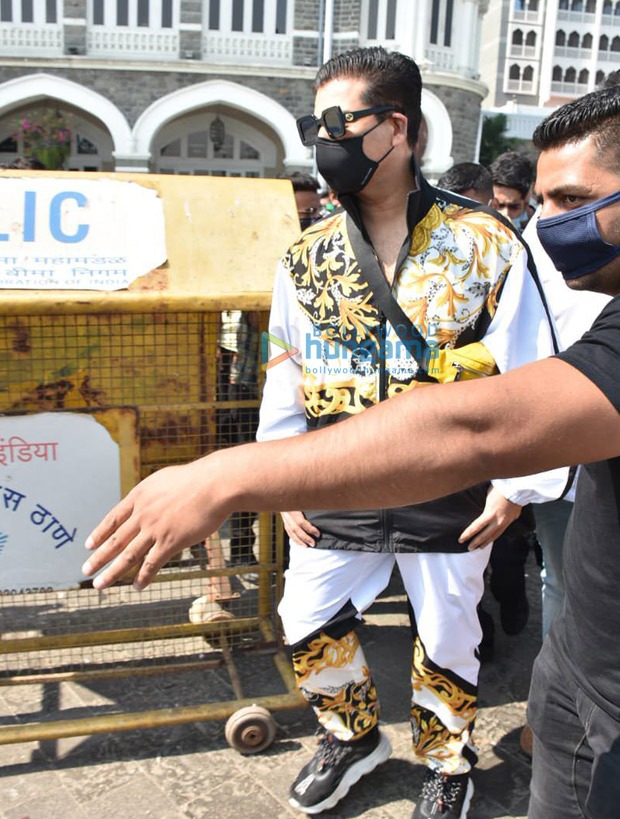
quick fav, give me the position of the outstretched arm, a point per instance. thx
(423, 444)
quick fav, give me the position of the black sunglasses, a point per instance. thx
(335, 122)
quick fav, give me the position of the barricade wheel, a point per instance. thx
(250, 730)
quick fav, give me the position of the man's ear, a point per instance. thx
(399, 125)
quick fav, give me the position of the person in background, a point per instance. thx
(244, 422)
(513, 175)
(307, 199)
(329, 203)
(511, 549)
(468, 179)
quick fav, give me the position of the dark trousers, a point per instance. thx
(576, 760)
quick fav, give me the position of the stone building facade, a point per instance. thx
(214, 86)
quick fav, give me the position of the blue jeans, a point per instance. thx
(551, 522)
(576, 760)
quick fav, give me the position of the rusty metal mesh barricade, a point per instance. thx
(192, 378)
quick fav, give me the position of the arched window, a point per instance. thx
(573, 40)
(528, 73)
(600, 77)
(570, 75)
(603, 43)
(556, 74)
(584, 76)
(91, 143)
(560, 38)
(617, 9)
(515, 72)
(212, 144)
(615, 44)
(517, 37)
(587, 41)
(608, 7)
(530, 39)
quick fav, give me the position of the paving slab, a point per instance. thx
(190, 772)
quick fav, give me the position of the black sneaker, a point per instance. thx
(334, 768)
(444, 797)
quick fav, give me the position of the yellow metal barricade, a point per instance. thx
(149, 363)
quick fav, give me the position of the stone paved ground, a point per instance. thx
(189, 771)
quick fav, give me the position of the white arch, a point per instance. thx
(34, 87)
(223, 92)
(438, 154)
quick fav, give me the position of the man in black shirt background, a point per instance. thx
(433, 441)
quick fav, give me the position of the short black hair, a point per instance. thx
(392, 79)
(513, 170)
(594, 115)
(466, 176)
(301, 181)
(611, 80)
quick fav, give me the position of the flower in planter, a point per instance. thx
(47, 137)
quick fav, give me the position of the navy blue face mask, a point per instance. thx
(573, 242)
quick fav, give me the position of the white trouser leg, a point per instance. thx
(318, 583)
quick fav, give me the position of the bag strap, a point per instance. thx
(383, 298)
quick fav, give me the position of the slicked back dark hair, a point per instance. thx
(466, 176)
(392, 79)
(594, 115)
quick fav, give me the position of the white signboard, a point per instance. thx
(78, 234)
(59, 474)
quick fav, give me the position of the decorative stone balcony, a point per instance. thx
(136, 43)
(238, 47)
(31, 41)
(441, 59)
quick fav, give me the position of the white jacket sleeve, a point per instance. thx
(520, 332)
(282, 412)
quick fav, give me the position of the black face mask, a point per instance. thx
(343, 163)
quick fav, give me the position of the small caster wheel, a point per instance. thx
(250, 730)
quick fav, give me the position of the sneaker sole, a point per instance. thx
(353, 775)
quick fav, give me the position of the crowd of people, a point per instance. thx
(406, 285)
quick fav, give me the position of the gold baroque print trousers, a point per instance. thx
(335, 680)
(443, 711)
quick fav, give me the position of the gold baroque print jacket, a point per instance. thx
(449, 281)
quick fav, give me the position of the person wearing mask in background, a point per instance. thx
(307, 199)
(513, 175)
